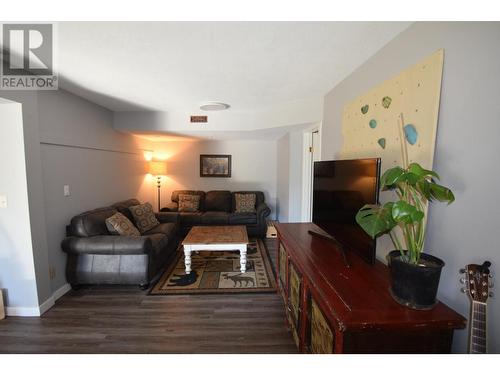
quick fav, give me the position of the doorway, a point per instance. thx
(312, 153)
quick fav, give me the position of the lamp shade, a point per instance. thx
(158, 168)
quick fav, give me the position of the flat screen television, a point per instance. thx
(340, 189)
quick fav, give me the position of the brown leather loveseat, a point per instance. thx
(217, 207)
(95, 256)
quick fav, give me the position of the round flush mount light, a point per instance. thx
(214, 106)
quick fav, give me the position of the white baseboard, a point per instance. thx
(22, 311)
(46, 305)
(61, 291)
(40, 310)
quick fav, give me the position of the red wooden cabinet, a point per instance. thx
(334, 309)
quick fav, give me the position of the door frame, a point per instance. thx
(307, 169)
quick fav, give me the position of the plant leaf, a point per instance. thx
(441, 193)
(424, 188)
(411, 178)
(404, 212)
(416, 169)
(376, 220)
(390, 177)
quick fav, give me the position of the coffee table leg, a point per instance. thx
(243, 259)
(187, 259)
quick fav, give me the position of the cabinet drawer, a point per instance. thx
(322, 337)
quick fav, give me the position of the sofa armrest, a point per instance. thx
(167, 217)
(110, 245)
(263, 211)
(170, 207)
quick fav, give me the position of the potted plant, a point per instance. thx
(415, 275)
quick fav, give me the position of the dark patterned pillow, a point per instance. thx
(245, 202)
(119, 224)
(144, 217)
(189, 203)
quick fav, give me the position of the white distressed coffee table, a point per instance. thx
(212, 238)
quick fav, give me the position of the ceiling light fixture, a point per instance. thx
(214, 106)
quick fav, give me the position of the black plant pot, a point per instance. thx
(415, 286)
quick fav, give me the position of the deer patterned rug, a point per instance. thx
(219, 272)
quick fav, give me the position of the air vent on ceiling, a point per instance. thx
(199, 119)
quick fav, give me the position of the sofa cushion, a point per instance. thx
(259, 198)
(119, 224)
(242, 218)
(214, 217)
(91, 223)
(245, 202)
(175, 196)
(168, 229)
(218, 200)
(144, 217)
(190, 218)
(189, 203)
(123, 207)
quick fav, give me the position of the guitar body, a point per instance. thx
(477, 287)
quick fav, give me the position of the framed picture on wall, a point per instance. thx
(215, 165)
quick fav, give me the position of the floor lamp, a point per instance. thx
(158, 169)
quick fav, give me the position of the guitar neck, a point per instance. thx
(477, 343)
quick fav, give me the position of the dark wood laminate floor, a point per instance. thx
(127, 320)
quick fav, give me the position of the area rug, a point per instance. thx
(215, 272)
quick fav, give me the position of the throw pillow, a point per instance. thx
(244, 202)
(144, 217)
(119, 224)
(189, 203)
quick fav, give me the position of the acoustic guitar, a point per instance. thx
(477, 284)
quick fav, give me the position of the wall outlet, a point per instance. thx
(3, 201)
(52, 273)
(66, 191)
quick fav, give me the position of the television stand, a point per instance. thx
(330, 238)
(334, 309)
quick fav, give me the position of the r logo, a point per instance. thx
(28, 50)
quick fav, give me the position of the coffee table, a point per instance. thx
(210, 238)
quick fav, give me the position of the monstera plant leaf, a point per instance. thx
(391, 177)
(376, 220)
(441, 193)
(403, 212)
(417, 170)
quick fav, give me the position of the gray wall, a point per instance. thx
(296, 183)
(80, 148)
(467, 151)
(283, 177)
(69, 140)
(290, 176)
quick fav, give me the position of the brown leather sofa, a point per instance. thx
(97, 257)
(217, 208)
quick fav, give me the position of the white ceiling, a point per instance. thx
(262, 69)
